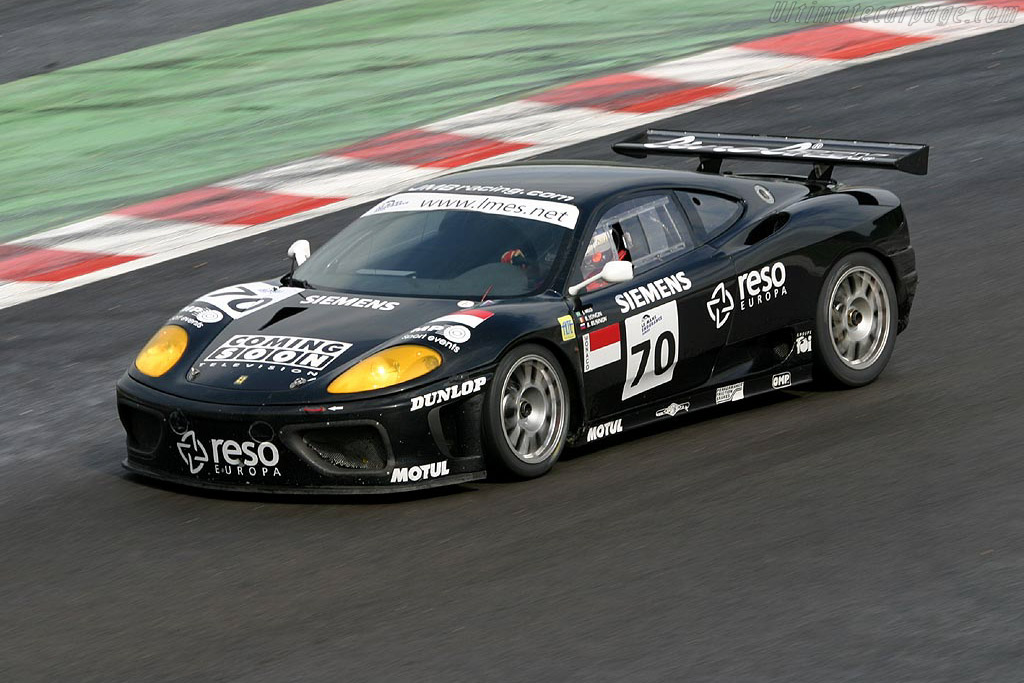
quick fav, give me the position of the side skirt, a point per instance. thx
(708, 396)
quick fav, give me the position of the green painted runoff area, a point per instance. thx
(81, 141)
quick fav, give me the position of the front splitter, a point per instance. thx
(450, 480)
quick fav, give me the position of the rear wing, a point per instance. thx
(712, 148)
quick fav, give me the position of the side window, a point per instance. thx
(716, 213)
(600, 251)
(643, 230)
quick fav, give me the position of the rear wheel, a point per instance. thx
(856, 320)
(526, 413)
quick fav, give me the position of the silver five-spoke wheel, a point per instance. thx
(860, 314)
(533, 409)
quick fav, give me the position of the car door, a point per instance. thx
(651, 338)
(772, 283)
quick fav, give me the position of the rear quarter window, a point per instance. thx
(716, 213)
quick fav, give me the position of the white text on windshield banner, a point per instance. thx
(557, 213)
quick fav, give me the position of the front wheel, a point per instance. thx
(526, 413)
(856, 320)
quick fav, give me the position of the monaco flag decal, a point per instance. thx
(601, 347)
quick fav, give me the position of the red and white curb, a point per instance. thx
(141, 235)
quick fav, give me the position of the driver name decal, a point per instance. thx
(556, 213)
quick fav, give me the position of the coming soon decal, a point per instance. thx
(277, 352)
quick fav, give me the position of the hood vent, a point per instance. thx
(282, 314)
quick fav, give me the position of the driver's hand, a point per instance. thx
(514, 257)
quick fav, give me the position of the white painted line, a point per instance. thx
(13, 293)
(739, 67)
(74, 230)
(935, 19)
(943, 19)
(536, 123)
(129, 235)
(326, 176)
(22, 292)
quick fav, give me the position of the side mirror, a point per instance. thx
(617, 271)
(613, 271)
(299, 251)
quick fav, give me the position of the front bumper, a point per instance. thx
(385, 445)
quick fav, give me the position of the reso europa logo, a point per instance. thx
(762, 284)
(229, 457)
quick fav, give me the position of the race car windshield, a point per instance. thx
(409, 246)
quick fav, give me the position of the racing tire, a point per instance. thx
(856, 321)
(526, 414)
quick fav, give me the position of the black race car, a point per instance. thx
(481, 322)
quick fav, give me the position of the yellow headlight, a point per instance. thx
(162, 351)
(386, 368)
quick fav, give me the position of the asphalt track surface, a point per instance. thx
(37, 36)
(869, 535)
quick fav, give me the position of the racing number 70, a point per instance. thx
(664, 346)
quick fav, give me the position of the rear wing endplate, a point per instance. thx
(712, 148)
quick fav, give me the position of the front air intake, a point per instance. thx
(353, 447)
(143, 427)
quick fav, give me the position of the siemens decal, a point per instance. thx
(655, 291)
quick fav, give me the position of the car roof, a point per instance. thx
(586, 182)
